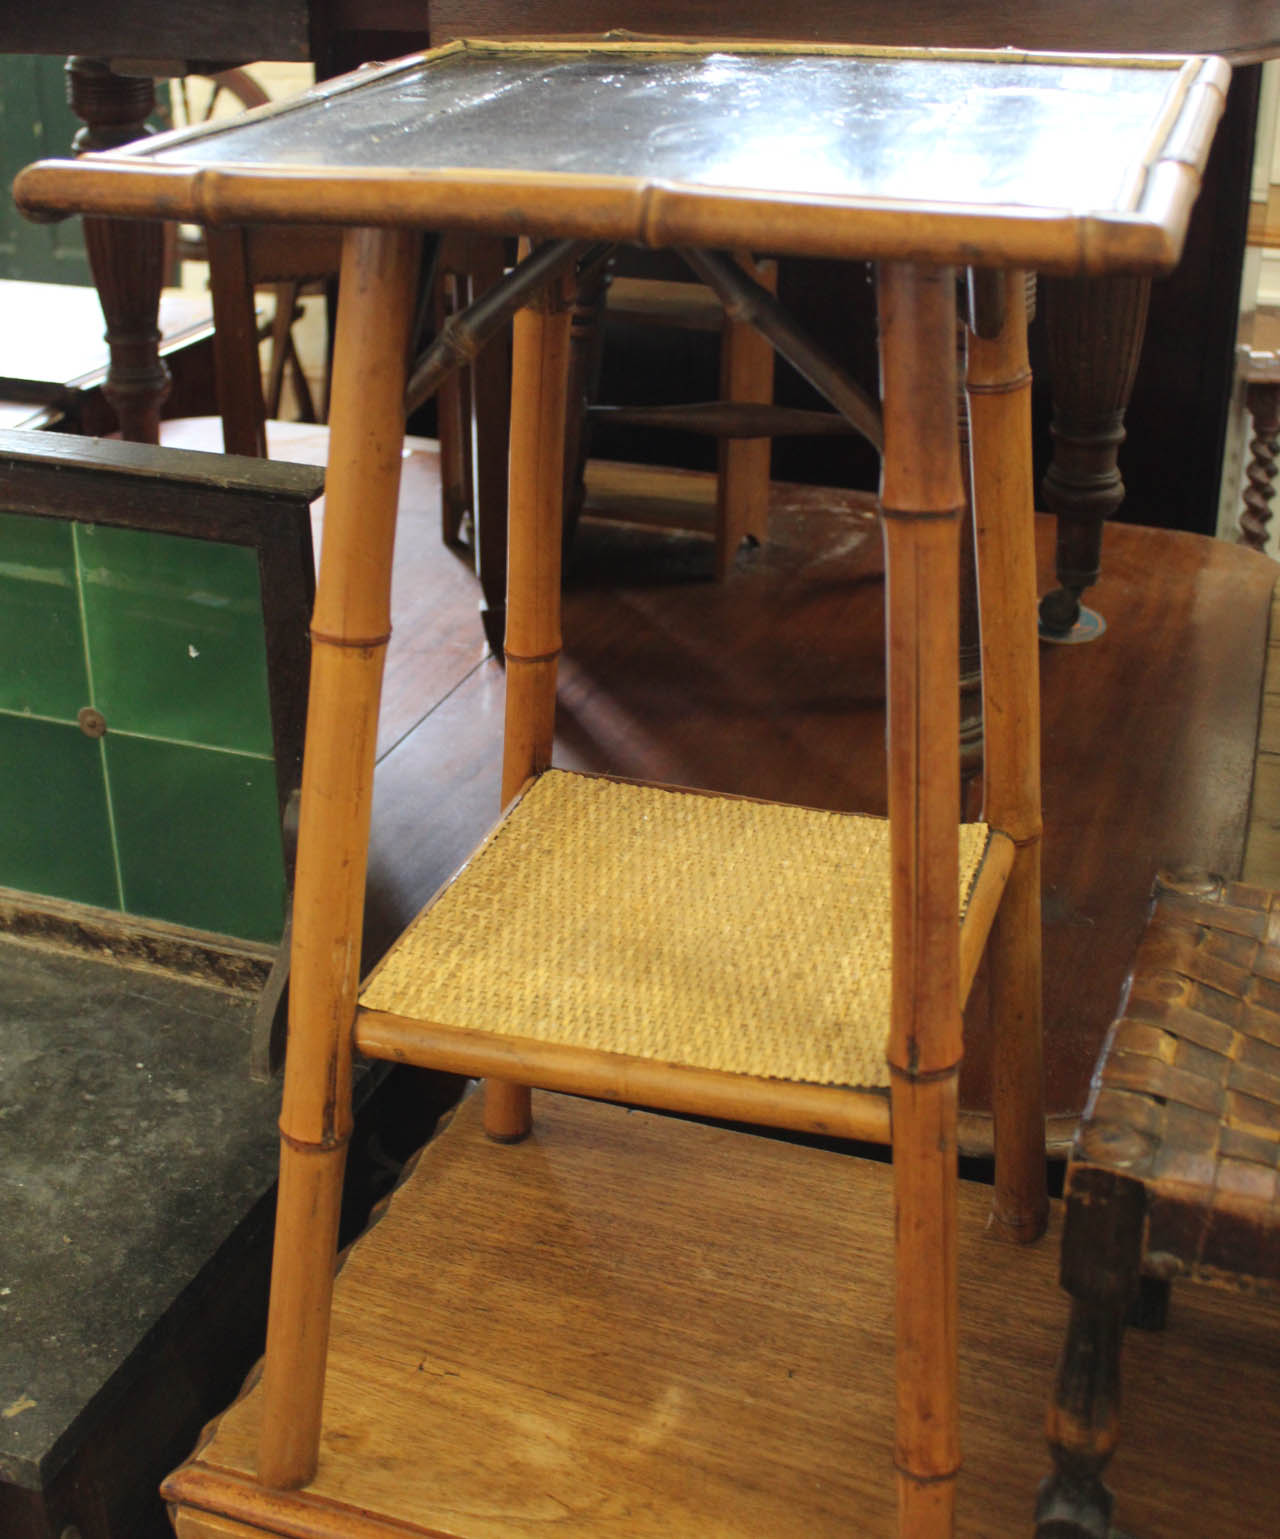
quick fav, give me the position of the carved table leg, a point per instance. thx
(127, 256)
(1263, 403)
(1101, 1255)
(1095, 328)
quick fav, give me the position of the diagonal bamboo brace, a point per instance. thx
(464, 335)
(746, 300)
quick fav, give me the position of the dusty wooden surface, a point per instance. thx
(689, 1331)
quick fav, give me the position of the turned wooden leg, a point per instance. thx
(539, 390)
(922, 499)
(350, 628)
(1095, 328)
(1262, 399)
(999, 389)
(127, 256)
(1101, 1256)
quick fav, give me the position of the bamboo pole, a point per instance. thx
(539, 396)
(923, 500)
(999, 389)
(350, 627)
(832, 1110)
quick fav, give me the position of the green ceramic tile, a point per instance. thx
(54, 835)
(42, 670)
(198, 835)
(176, 642)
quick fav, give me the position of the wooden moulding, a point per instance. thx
(350, 626)
(1145, 238)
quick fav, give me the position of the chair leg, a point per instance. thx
(238, 374)
(923, 501)
(746, 374)
(350, 628)
(586, 357)
(999, 389)
(539, 395)
(453, 404)
(490, 404)
(1101, 1257)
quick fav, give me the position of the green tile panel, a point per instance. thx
(55, 835)
(198, 835)
(175, 637)
(173, 814)
(41, 641)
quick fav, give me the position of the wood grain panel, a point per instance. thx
(636, 1351)
(1229, 27)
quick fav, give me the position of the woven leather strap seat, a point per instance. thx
(1174, 1169)
(1186, 1099)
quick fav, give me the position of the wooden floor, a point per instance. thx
(679, 1332)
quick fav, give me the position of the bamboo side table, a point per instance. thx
(922, 160)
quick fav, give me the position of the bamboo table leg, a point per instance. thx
(350, 629)
(999, 390)
(923, 502)
(539, 401)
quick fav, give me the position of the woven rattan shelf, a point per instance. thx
(687, 930)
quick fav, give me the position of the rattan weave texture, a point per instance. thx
(712, 932)
(1186, 1098)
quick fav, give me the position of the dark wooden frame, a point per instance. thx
(239, 501)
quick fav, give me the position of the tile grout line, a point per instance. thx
(102, 744)
(145, 737)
